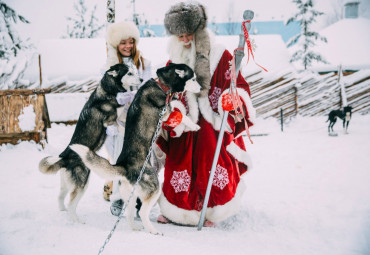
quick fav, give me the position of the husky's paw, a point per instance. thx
(75, 219)
(80, 221)
(136, 227)
(80, 149)
(62, 208)
(153, 231)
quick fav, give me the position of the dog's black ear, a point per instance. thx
(164, 74)
(122, 69)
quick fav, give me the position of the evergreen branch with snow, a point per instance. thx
(84, 24)
(305, 40)
(15, 53)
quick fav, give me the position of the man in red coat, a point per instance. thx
(188, 154)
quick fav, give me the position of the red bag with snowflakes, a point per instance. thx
(174, 119)
(227, 102)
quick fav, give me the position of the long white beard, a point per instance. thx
(179, 54)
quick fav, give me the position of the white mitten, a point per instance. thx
(112, 130)
(125, 97)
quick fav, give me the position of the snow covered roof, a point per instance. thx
(348, 45)
(78, 59)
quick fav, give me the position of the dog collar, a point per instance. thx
(163, 87)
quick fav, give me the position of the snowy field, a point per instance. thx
(308, 193)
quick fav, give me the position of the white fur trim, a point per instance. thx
(215, 55)
(248, 101)
(178, 215)
(123, 30)
(192, 103)
(215, 214)
(112, 58)
(179, 105)
(210, 116)
(240, 155)
(222, 212)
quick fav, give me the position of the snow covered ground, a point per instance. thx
(308, 193)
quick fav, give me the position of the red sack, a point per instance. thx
(227, 102)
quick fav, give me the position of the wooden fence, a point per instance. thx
(307, 94)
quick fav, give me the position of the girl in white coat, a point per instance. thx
(122, 40)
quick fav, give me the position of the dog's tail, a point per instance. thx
(97, 164)
(50, 165)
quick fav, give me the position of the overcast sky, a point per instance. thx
(48, 17)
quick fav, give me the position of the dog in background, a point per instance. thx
(345, 115)
(99, 111)
(141, 123)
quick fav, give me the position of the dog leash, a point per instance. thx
(164, 110)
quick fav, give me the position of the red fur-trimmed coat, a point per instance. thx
(189, 154)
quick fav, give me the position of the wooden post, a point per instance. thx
(342, 90)
(281, 119)
(40, 71)
(111, 16)
(296, 99)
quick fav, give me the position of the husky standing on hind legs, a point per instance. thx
(141, 123)
(99, 112)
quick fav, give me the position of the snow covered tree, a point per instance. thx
(11, 42)
(84, 24)
(15, 53)
(305, 40)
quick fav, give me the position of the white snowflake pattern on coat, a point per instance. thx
(180, 181)
(221, 178)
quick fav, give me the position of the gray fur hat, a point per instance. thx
(191, 18)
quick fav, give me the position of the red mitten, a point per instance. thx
(174, 119)
(227, 102)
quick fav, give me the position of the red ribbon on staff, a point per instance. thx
(237, 103)
(249, 46)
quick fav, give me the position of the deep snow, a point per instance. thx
(308, 193)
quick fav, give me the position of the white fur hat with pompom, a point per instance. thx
(123, 30)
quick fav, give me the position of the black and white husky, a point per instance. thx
(142, 119)
(99, 112)
(345, 115)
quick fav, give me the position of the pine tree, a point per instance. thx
(11, 42)
(84, 24)
(306, 38)
(15, 53)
